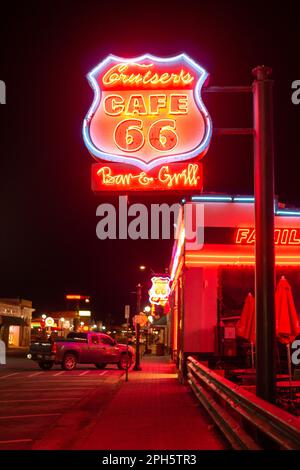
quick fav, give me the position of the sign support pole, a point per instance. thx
(138, 328)
(127, 315)
(264, 227)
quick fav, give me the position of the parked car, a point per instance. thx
(81, 348)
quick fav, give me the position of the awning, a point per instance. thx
(9, 320)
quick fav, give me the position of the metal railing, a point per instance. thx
(245, 419)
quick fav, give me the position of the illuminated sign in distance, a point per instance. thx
(49, 322)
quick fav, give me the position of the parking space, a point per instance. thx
(33, 401)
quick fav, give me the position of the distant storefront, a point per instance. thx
(15, 322)
(60, 323)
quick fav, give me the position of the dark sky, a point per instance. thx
(48, 244)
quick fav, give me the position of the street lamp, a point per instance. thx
(147, 310)
(145, 268)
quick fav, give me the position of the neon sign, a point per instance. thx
(282, 236)
(160, 290)
(176, 176)
(147, 112)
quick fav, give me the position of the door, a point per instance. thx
(110, 348)
(95, 350)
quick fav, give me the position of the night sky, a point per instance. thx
(48, 243)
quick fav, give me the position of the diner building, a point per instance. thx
(212, 275)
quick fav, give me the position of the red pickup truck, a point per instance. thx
(84, 348)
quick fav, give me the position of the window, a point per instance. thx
(107, 340)
(82, 337)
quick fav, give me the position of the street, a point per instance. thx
(33, 402)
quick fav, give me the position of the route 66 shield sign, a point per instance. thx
(160, 290)
(147, 111)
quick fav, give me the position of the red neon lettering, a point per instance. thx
(136, 104)
(128, 135)
(162, 135)
(293, 240)
(242, 235)
(113, 105)
(251, 238)
(156, 102)
(277, 236)
(122, 74)
(190, 176)
(282, 236)
(178, 104)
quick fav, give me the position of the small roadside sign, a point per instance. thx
(127, 311)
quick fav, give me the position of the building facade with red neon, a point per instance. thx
(211, 280)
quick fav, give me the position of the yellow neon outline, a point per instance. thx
(127, 113)
(116, 71)
(296, 241)
(111, 114)
(178, 112)
(175, 178)
(158, 95)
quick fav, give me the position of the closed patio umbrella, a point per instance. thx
(245, 327)
(287, 324)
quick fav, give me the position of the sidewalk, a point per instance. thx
(152, 411)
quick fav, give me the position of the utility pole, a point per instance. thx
(127, 315)
(264, 233)
(138, 309)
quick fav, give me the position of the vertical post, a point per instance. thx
(138, 309)
(147, 350)
(264, 227)
(127, 333)
(127, 315)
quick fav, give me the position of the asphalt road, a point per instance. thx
(52, 406)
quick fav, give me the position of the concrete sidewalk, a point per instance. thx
(152, 411)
